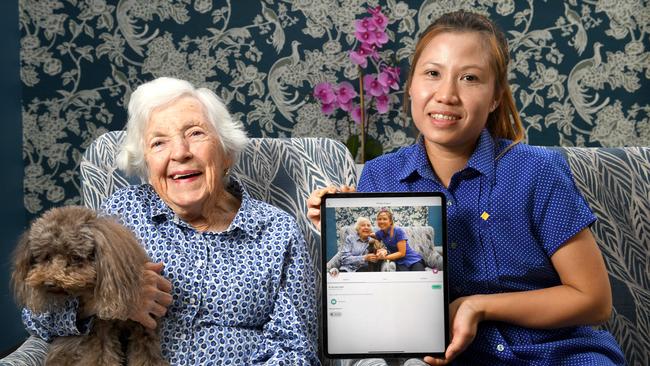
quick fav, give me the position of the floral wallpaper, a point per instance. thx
(578, 72)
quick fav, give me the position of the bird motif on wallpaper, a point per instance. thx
(284, 101)
(585, 104)
(130, 30)
(580, 39)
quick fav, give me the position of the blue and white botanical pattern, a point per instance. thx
(578, 70)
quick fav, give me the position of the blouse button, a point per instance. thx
(500, 347)
(199, 263)
(450, 202)
(454, 245)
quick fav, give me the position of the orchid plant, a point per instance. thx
(374, 88)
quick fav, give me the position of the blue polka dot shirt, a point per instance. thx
(506, 217)
(240, 297)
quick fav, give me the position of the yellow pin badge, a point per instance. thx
(485, 215)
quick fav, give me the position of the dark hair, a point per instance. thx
(504, 121)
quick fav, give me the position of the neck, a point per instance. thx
(216, 213)
(445, 162)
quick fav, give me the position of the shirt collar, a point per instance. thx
(160, 211)
(483, 157)
(481, 160)
(417, 162)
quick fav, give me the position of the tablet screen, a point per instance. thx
(384, 275)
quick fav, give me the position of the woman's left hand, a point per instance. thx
(464, 316)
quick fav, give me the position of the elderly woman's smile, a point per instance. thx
(184, 156)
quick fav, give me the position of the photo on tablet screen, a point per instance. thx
(384, 275)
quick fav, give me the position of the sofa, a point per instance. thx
(419, 239)
(614, 181)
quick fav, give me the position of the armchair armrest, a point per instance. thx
(31, 353)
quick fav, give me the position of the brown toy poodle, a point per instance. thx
(70, 251)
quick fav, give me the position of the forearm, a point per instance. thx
(395, 256)
(553, 307)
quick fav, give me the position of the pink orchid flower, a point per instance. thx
(345, 92)
(360, 57)
(325, 93)
(373, 86)
(382, 103)
(328, 108)
(389, 78)
(356, 114)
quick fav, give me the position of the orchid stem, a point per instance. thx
(362, 135)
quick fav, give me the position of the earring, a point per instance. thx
(226, 172)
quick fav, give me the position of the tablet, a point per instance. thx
(374, 307)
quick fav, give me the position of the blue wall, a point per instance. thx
(12, 213)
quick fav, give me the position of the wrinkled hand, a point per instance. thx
(464, 317)
(314, 200)
(370, 258)
(155, 296)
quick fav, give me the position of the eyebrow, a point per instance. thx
(464, 67)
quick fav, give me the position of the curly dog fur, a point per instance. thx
(71, 252)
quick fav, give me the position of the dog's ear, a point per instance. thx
(119, 261)
(22, 262)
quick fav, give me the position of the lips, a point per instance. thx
(184, 174)
(444, 116)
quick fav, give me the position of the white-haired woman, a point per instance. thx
(237, 282)
(359, 251)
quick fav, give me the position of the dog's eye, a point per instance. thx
(75, 259)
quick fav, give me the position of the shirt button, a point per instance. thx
(192, 300)
(500, 347)
(450, 202)
(454, 245)
(199, 263)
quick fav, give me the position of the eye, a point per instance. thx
(433, 73)
(196, 133)
(469, 77)
(76, 259)
(156, 143)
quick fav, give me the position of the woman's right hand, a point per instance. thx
(314, 201)
(155, 296)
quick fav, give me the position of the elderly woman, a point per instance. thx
(237, 282)
(359, 252)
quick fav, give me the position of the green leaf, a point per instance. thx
(373, 148)
(353, 144)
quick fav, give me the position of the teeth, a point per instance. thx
(178, 176)
(442, 116)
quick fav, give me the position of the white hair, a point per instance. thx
(359, 221)
(164, 90)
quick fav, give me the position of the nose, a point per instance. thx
(181, 150)
(447, 92)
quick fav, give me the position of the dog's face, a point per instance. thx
(57, 255)
(71, 252)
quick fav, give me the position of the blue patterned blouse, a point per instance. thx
(353, 252)
(506, 218)
(242, 296)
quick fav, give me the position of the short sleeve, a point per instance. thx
(559, 210)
